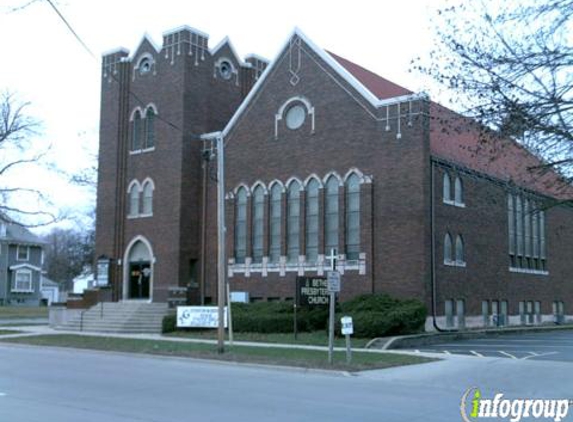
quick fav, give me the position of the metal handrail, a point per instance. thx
(82, 319)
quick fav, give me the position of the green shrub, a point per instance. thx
(277, 317)
(262, 308)
(382, 315)
(373, 316)
(169, 323)
(370, 303)
(312, 318)
(252, 322)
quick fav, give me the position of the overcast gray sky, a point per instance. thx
(43, 63)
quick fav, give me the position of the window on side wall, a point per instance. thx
(22, 281)
(23, 253)
(449, 311)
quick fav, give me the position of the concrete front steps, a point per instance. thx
(119, 317)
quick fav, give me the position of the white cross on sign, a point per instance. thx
(333, 280)
(332, 258)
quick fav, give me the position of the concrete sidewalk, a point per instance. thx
(427, 339)
(28, 331)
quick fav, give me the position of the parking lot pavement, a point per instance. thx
(556, 346)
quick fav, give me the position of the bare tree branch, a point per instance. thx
(16, 128)
(512, 68)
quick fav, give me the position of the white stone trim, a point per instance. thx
(313, 176)
(336, 175)
(132, 115)
(527, 271)
(261, 184)
(451, 263)
(234, 70)
(20, 266)
(152, 106)
(332, 63)
(298, 98)
(275, 182)
(115, 51)
(242, 185)
(148, 37)
(146, 181)
(353, 170)
(257, 57)
(185, 28)
(294, 179)
(221, 44)
(301, 267)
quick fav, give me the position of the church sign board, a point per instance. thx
(311, 291)
(199, 316)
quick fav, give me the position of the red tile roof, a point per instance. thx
(377, 85)
(463, 141)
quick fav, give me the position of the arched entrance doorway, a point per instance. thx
(138, 273)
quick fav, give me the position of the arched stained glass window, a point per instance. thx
(241, 226)
(352, 219)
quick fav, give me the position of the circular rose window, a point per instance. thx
(226, 70)
(295, 117)
(144, 66)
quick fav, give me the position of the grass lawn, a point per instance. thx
(13, 312)
(272, 356)
(316, 338)
(20, 324)
(5, 332)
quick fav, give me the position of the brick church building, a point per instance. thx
(321, 154)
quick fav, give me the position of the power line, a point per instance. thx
(71, 29)
(84, 45)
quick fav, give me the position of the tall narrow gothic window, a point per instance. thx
(293, 222)
(447, 188)
(352, 217)
(519, 225)
(134, 200)
(331, 214)
(459, 250)
(535, 230)
(275, 224)
(458, 191)
(526, 224)
(511, 224)
(258, 223)
(542, 243)
(312, 221)
(149, 128)
(147, 198)
(136, 132)
(241, 226)
(447, 248)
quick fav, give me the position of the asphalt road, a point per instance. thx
(551, 345)
(59, 385)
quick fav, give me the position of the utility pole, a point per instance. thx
(221, 273)
(221, 229)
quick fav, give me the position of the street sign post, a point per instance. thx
(333, 280)
(347, 330)
(333, 285)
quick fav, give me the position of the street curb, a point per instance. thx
(281, 368)
(426, 339)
